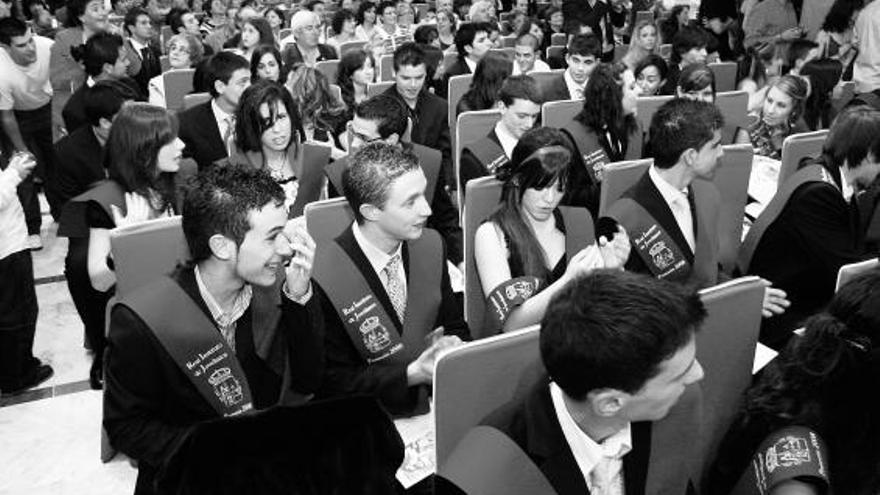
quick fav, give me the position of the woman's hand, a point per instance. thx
(615, 251)
(137, 210)
(585, 261)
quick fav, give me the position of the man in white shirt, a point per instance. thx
(26, 110)
(866, 34)
(520, 103)
(526, 59)
(582, 56)
(590, 428)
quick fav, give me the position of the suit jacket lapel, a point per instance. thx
(210, 130)
(635, 464)
(348, 243)
(647, 194)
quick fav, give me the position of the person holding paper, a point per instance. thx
(234, 330)
(384, 287)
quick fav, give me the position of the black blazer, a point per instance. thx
(143, 70)
(199, 131)
(801, 252)
(291, 54)
(346, 372)
(429, 126)
(79, 163)
(74, 111)
(150, 405)
(596, 17)
(557, 90)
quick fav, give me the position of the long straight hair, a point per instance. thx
(529, 168)
(603, 110)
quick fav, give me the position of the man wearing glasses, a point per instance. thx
(302, 46)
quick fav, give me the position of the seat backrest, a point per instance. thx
(146, 251)
(508, 41)
(620, 51)
(646, 107)
(456, 87)
(618, 177)
(473, 380)
(644, 16)
(507, 51)
(386, 68)
(558, 113)
(726, 346)
(178, 84)
(725, 75)
(165, 63)
(734, 107)
(545, 78)
(449, 58)
(471, 127)
(378, 88)
(852, 270)
(558, 39)
(797, 147)
(350, 46)
(732, 180)
(422, 9)
(482, 198)
(164, 35)
(194, 99)
(555, 51)
(329, 68)
(312, 179)
(325, 220)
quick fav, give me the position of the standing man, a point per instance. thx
(208, 130)
(520, 103)
(866, 34)
(427, 111)
(599, 16)
(617, 366)
(383, 286)
(26, 111)
(583, 54)
(143, 52)
(234, 330)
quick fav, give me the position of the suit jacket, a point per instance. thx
(429, 126)
(199, 131)
(444, 215)
(457, 68)
(150, 405)
(803, 249)
(142, 71)
(74, 111)
(346, 371)
(598, 17)
(470, 167)
(557, 90)
(79, 163)
(292, 55)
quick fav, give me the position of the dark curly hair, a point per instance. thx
(603, 110)
(351, 62)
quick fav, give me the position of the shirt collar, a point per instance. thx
(508, 142)
(587, 453)
(137, 45)
(239, 306)
(572, 85)
(219, 114)
(668, 191)
(378, 259)
(471, 64)
(845, 187)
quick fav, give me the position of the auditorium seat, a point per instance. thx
(329, 68)
(311, 179)
(725, 75)
(646, 107)
(325, 220)
(558, 113)
(481, 200)
(350, 46)
(734, 108)
(853, 270)
(178, 84)
(796, 147)
(618, 177)
(194, 99)
(732, 181)
(456, 87)
(558, 39)
(145, 251)
(471, 127)
(378, 88)
(386, 68)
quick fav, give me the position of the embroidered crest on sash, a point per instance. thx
(226, 387)
(596, 162)
(790, 453)
(507, 296)
(377, 339)
(658, 249)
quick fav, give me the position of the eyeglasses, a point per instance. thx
(178, 48)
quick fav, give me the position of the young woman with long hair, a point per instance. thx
(489, 75)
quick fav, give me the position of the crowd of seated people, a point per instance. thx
(302, 320)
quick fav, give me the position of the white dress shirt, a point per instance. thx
(508, 142)
(575, 90)
(846, 189)
(223, 121)
(538, 66)
(595, 460)
(471, 64)
(679, 204)
(379, 259)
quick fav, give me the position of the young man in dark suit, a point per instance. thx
(384, 119)
(472, 42)
(208, 130)
(617, 367)
(812, 226)
(427, 111)
(384, 288)
(582, 55)
(143, 51)
(520, 103)
(236, 329)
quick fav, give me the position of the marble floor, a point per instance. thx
(50, 437)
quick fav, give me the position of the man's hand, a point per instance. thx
(301, 249)
(23, 163)
(421, 371)
(775, 300)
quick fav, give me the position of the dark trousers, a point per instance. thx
(90, 303)
(35, 127)
(18, 320)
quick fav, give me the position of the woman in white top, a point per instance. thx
(343, 25)
(366, 20)
(387, 28)
(184, 51)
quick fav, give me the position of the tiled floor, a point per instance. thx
(50, 437)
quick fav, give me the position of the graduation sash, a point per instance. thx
(194, 344)
(512, 293)
(371, 329)
(664, 258)
(73, 222)
(795, 452)
(489, 153)
(810, 173)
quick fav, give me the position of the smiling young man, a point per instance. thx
(520, 103)
(582, 56)
(384, 288)
(233, 330)
(526, 58)
(616, 366)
